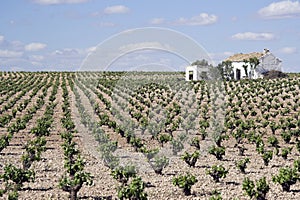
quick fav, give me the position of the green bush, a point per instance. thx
(218, 152)
(267, 157)
(273, 141)
(217, 172)
(262, 188)
(285, 152)
(191, 159)
(242, 164)
(133, 191)
(286, 177)
(122, 174)
(160, 162)
(185, 182)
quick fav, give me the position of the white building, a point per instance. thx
(242, 69)
(196, 72)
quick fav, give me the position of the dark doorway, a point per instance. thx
(191, 75)
(238, 74)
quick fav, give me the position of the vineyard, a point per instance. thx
(146, 135)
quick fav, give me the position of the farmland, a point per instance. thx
(110, 135)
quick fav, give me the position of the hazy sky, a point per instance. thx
(59, 34)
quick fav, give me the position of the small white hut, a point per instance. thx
(196, 72)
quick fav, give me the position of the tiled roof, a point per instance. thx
(241, 57)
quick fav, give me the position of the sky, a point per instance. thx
(60, 35)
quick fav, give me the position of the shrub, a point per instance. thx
(133, 191)
(267, 156)
(286, 177)
(177, 146)
(273, 141)
(160, 162)
(14, 179)
(297, 165)
(242, 164)
(262, 188)
(150, 153)
(185, 182)
(122, 174)
(216, 195)
(285, 152)
(164, 138)
(196, 143)
(191, 159)
(217, 172)
(218, 152)
(286, 136)
(33, 151)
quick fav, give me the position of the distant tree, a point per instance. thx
(254, 62)
(202, 62)
(226, 69)
(245, 66)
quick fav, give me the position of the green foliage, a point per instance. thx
(110, 160)
(159, 163)
(216, 195)
(196, 143)
(33, 151)
(286, 136)
(14, 178)
(218, 138)
(286, 177)
(297, 165)
(273, 141)
(285, 152)
(164, 138)
(242, 164)
(122, 174)
(267, 157)
(217, 172)
(185, 182)
(150, 153)
(4, 141)
(133, 191)
(75, 176)
(262, 188)
(177, 146)
(191, 159)
(249, 187)
(218, 152)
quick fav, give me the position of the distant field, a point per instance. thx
(67, 131)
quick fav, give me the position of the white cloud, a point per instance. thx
(282, 9)
(118, 9)
(1, 38)
(67, 52)
(35, 46)
(10, 54)
(288, 50)
(91, 49)
(55, 2)
(202, 19)
(157, 21)
(253, 36)
(36, 57)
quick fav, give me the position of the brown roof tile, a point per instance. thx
(241, 57)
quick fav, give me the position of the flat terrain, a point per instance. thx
(136, 110)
